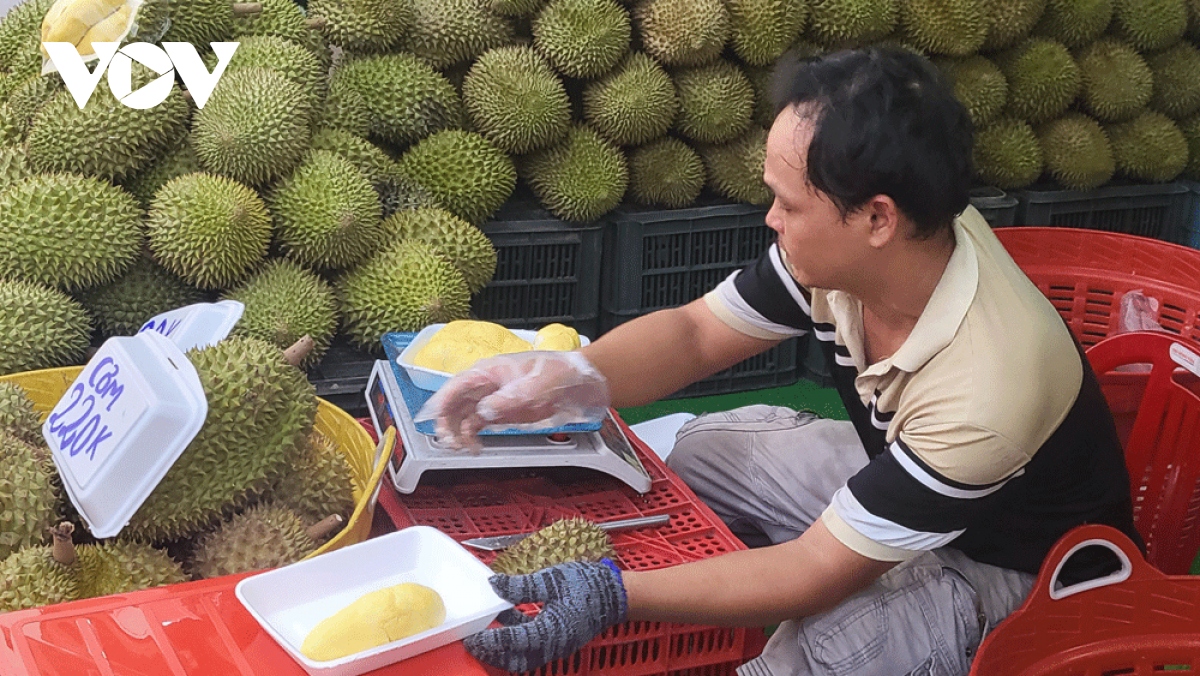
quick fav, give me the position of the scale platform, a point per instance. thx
(606, 450)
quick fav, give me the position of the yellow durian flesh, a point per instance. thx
(459, 344)
(374, 619)
(556, 337)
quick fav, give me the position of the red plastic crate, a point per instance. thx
(513, 505)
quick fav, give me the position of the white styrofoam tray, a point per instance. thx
(432, 379)
(289, 602)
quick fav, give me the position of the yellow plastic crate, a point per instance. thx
(367, 461)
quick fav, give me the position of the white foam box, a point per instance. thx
(289, 602)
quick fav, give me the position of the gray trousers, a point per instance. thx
(769, 472)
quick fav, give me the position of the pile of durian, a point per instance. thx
(256, 488)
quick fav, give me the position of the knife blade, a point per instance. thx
(497, 542)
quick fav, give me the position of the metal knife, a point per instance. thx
(498, 542)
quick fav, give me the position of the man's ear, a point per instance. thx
(883, 221)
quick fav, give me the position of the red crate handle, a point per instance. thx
(1133, 565)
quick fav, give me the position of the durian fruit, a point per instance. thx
(121, 307)
(565, 540)
(373, 619)
(260, 411)
(406, 287)
(1117, 82)
(67, 231)
(344, 109)
(405, 98)
(318, 482)
(264, 536)
(1007, 154)
(1191, 131)
(715, 102)
(289, 59)
(326, 213)
(177, 162)
(209, 230)
(666, 172)
(735, 169)
(11, 134)
(582, 38)
(1150, 147)
(367, 157)
(762, 30)
(516, 100)
(1074, 23)
(40, 575)
(1010, 21)
(1077, 152)
(17, 415)
(13, 166)
(449, 32)
(200, 21)
(1193, 9)
(852, 22)
(30, 494)
(42, 328)
(634, 104)
(118, 567)
(580, 179)
(1150, 25)
(254, 127)
(464, 173)
(950, 27)
(463, 244)
(515, 7)
(285, 302)
(1043, 79)
(764, 107)
(398, 192)
(22, 22)
(978, 84)
(363, 25)
(27, 99)
(281, 19)
(682, 32)
(1176, 80)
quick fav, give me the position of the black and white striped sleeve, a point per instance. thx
(762, 300)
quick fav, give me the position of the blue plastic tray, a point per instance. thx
(415, 397)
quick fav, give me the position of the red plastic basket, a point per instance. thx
(1136, 622)
(1084, 273)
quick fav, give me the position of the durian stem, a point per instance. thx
(299, 350)
(321, 529)
(316, 22)
(241, 9)
(63, 550)
(187, 96)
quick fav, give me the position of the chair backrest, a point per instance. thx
(1162, 438)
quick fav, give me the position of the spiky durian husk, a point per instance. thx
(582, 38)
(121, 567)
(254, 127)
(565, 540)
(1074, 23)
(516, 100)
(1042, 77)
(291, 60)
(363, 25)
(1150, 25)
(1150, 147)
(1077, 152)
(515, 7)
(280, 19)
(1117, 82)
(29, 97)
(406, 287)
(852, 22)
(1010, 21)
(735, 169)
(665, 173)
(23, 21)
(398, 192)
(367, 157)
(715, 102)
(32, 578)
(978, 84)
(463, 171)
(17, 416)
(634, 104)
(199, 21)
(405, 98)
(264, 536)
(1176, 80)
(762, 30)
(41, 328)
(260, 409)
(11, 134)
(13, 166)
(580, 179)
(67, 231)
(30, 495)
(285, 302)
(465, 245)
(182, 160)
(121, 307)
(682, 32)
(319, 482)
(950, 27)
(448, 32)
(344, 109)
(209, 230)
(1007, 154)
(1191, 131)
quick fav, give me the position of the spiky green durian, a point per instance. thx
(950, 27)
(28, 98)
(764, 107)
(1176, 80)
(345, 110)
(289, 59)
(1150, 25)
(264, 536)
(852, 22)
(516, 100)
(1077, 152)
(285, 302)
(209, 230)
(574, 539)
(117, 567)
(67, 231)
(260, 410)
(11, 134)
(318, 482)
(665, 173)
(363, 25)
(978, 84)
(582, 38)
(715, 102)
(463, 244)
(464, 172)
(735, 169)
(367, 157)
(634, 104)
(762, 30)
(30, 495)
(177, 162)
(400, 193)
(23, 21)
(1191, 131)
(682, 32)
(580, 179)
(17, 415)
(1007, 154)
(1010, 21)
(200, 21)
(41, 328)
(1043, 79)
(326, 213)
(32, 578)
(406, 99)
(1117, 82)
(515, 7)
(1074, 23)
(13, 166)
(447, 32)
(405, 287)
(278, 18)
(121, 307)
(1150, 147)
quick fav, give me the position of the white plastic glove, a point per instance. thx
(524, 390)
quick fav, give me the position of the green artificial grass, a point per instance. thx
(805, 394)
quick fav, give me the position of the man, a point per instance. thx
(978, 434)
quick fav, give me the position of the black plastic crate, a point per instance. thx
(1161, 211)
(547, 271)
(998, 208)
(1191, 232)
(341, 377)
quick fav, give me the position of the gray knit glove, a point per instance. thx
(581, 600)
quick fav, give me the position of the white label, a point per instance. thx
(93, 417)
(198, 325)
(1185, 358)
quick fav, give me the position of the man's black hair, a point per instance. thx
(885, 122)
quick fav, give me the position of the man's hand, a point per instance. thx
(581, 600)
